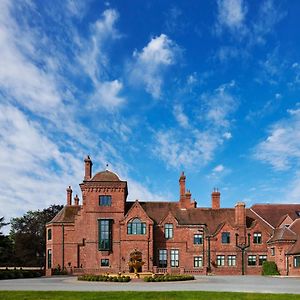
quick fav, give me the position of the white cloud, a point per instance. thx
(20, 78)
(218, 169)
(281, 148)
(227, 135)
(107, 95)
(218, 105)
(180, 116)
(151, 62)
(95, 61)
(177, 148)
(231, 14)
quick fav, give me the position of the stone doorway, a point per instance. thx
(135, 262)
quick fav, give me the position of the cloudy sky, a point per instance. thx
(150, 88)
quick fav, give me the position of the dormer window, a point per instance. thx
(135, 226)
(168, 231)
(105, 200)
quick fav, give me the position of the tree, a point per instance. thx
(29, 235)
(6, 246)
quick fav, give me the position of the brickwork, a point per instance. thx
(172, 237)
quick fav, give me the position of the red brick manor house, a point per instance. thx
(99, 234)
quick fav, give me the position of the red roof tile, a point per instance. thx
(273, 213)
(67, 214)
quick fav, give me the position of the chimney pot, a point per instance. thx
(69, 195)
(215, 199)
(88, 168)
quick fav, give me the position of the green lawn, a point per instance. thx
(30, 295)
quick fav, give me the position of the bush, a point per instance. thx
(104, 278)
(168, 278)
(59, 271)
(269, 268)
(14, 274)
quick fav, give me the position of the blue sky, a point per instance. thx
(151, 88)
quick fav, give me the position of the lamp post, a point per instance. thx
(243, 247)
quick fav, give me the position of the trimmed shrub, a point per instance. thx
(269, 268)
(15, 274)
(168, 278)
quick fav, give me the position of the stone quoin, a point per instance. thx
(98, 233)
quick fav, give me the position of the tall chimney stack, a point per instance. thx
(69, 195)
(240, 214)
(88, 168)
(215, 199)
(182, 186)
(76, 200)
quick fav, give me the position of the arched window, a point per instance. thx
(135, 226)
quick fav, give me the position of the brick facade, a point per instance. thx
(98, 234)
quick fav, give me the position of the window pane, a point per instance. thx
(104, 262)
(105, 231)
(261, 259)
(49, 258)
(105, 200)
(135, 226)
(168, 231)
(49, 234)
(257, 238)
(225, 237)
(297, 261)
(198, 263)
(231, 260)
(174, 258)
(162, 258)
(198, 239)
(220, 260)
(251, 260)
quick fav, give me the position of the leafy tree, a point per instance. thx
(6, 247)
(29, 235)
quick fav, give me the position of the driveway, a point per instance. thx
(257, 284)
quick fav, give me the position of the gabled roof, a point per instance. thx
(283, 234)
(295, 249)
(212, 218)
(67, 214)
(273, 213)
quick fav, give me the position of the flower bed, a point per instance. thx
(168, 278)
(104, 278)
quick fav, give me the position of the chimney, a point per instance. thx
(240, 214)
(215, 199)
(76, 200)
(182, 185)
(188, 196)
(69, 195)
(88, 168)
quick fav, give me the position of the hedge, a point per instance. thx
(14, 274)
(104, 278)
(168, 278)
(269, 268)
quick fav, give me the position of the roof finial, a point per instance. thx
(106, 167)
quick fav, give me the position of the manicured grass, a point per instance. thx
(33, 295)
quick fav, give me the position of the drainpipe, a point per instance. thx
(287, 265)
(208, 254)
(63, 246)
(243, 247)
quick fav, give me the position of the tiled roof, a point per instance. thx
(295, 226)
(105, 176)
(213, 218)
(283, 234)
(273, 213)
(67, 214)
(295, 249)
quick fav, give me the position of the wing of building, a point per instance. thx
(98, 233)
